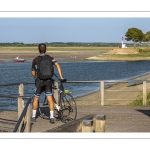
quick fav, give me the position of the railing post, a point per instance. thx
(87, 126)
(27, 120)
(102, 92)
(56, 92)
(20, 102)
(144, 93)
(100, 123)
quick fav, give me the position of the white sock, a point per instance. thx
(52, 114)
(33, 113)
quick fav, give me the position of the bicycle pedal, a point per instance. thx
(58, 118)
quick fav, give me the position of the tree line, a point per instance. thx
(136, 35)
(66, 44)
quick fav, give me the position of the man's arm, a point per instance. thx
(59, 69)
(33, 73)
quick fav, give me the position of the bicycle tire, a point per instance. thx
(68, 106)
(44, 110)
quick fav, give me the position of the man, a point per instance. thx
(43, 83)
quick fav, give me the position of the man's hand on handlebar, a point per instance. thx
(63, 80)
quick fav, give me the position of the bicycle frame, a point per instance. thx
(64, 108)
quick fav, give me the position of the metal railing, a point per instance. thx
(23, 123)
(105, 84)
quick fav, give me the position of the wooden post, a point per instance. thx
(144, 93)
(87, 126)
(27, 120)
(102, 92)
(20, 102)
(56, 92)
(100, 123)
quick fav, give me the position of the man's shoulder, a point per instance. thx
(47, 55)
(35, 59)
(50, 57)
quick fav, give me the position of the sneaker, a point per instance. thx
(33, 119)
(52, 120)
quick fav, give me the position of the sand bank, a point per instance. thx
(60, 56)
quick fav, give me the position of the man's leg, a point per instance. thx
(34, 106)
(51, 106)
(48, 91)
(35, 102)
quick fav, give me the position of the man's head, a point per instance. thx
(42, 48)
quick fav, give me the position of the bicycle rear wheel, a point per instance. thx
(44, 109)
(68, 108)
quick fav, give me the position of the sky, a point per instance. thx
(35, 30)
(77, 21)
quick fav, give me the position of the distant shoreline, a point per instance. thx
(66, 56)
(73, 56)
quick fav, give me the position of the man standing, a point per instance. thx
(42, 71)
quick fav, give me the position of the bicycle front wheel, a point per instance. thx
(68, 108)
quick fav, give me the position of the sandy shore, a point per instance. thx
(118, 94)
(60, 56)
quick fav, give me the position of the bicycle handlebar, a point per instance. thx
(62, 80)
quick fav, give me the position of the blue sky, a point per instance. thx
(71, 21)
(95, 29)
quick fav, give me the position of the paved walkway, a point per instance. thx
(118, 119)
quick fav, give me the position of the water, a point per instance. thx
(76, 71)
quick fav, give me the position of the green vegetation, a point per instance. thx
(139, 102)
(142, 54)
(136, 35)
(66, 44)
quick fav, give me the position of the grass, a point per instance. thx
(144, 54)
(139, 102)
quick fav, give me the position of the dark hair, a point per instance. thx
(42, 48)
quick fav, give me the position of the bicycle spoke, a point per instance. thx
(69, 109)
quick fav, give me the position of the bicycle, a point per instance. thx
(65, 110)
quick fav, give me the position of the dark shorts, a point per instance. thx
(43, 85)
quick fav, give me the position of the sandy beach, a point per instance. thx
(118, 94)
(79, 56)
(60, 56)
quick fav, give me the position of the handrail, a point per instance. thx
(106, 81)
(22, 114)
(94, 81)
(14, 96)
(17, 83)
